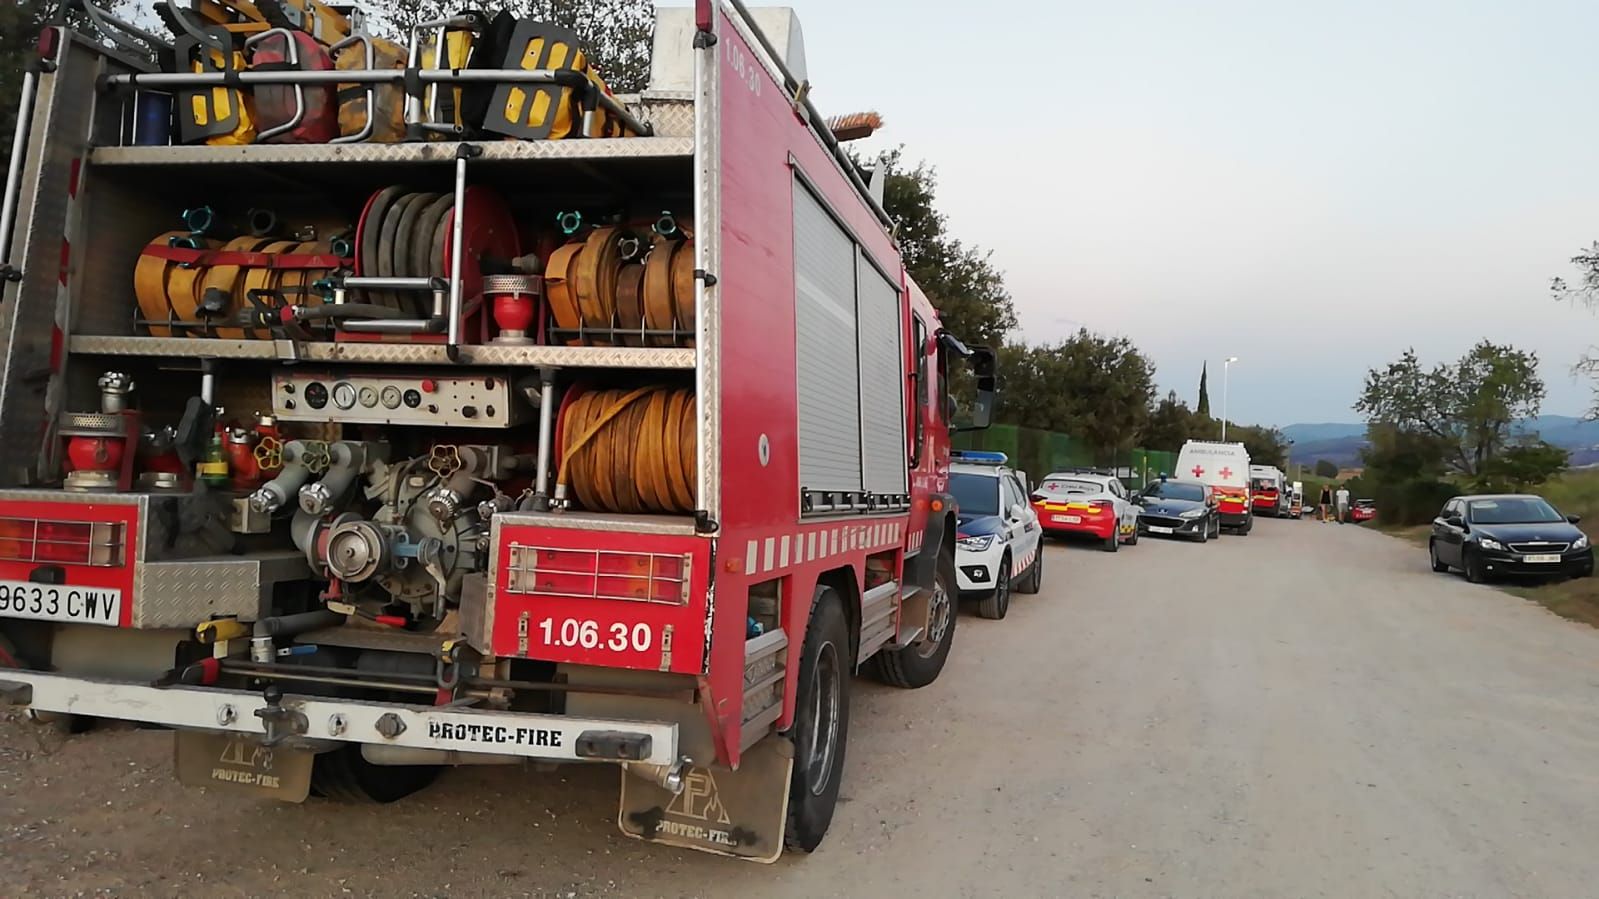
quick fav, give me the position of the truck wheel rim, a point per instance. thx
(937, 620)
(821, 737)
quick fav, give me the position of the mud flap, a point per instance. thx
(736, 813)
(243, 765)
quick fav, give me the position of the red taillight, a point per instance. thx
(49, 41)
(599, 574)
(63, 542)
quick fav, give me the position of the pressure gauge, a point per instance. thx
(344, 395)
(391, 397)
(369, 397)
(316, 394)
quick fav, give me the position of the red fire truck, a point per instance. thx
(355, 434)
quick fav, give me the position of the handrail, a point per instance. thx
(800, 95)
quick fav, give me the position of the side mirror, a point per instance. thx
(984, 365)
(1574, 519)
(1137, 499)
(1455, 521)
(1018, 512)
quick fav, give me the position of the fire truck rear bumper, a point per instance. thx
(313, 721)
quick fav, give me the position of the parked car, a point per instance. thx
(1179, 509)
(997, 538)
(1087, 504)
(1363, 510)
(1485, 536)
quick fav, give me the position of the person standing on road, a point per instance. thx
(1343, 503)
(1326, 501)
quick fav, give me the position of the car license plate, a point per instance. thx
(1068, 519)
(58, 602)
(1543, 558)
(1156, 529)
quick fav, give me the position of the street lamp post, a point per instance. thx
(1226, 366)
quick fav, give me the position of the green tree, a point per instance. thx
(1266, 446)
(617, 33)
(1096, 388)
(1520, 468)
(960, 280)
(1204, 390)
(1584, 292)
(1404, 473)
(1326, 468)
(1170, 424)
(1468, 406)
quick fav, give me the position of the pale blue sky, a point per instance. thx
(1309, 187)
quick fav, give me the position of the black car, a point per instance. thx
(1178, 509)
(1485, 536)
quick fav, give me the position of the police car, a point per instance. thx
(998, 540)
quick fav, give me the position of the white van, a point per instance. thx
(1225, 467)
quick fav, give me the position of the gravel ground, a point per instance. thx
(1304, 712)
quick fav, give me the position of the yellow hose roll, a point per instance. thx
(630, 450)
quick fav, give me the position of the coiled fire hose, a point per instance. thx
(630, 450)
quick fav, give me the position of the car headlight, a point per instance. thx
(1194, 513)
(1580, 542)
(977, 543)
(1490, 543)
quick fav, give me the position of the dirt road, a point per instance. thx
(1304, 712)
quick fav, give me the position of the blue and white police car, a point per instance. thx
(998, 544)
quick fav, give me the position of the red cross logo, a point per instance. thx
(1225, 473)
(1199, 472)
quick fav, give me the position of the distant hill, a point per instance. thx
(1312, 433)
(1341, 443)
(1341, 451)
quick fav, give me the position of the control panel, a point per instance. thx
(481, 400)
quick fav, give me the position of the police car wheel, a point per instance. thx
(821, 723)
(343, 775)
(996, 604)
(1034, 581)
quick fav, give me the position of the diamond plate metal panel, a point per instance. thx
(671, 115)
(185, 592)
(439, 151)
(387, 353)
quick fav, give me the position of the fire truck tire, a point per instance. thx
(821, 723)
(920, 663)
(997, 604)
(344, 776)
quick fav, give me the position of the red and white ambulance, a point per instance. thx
(1225, 467)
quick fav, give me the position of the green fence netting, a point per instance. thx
(1040, 452)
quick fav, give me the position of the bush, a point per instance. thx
(1326, 468)
(1411, 502)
